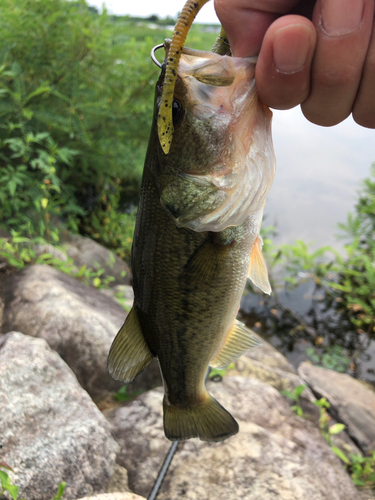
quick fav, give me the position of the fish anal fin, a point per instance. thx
(206, 262)
(258, 269)
(239, 340)
(206, 420)
(129, 353)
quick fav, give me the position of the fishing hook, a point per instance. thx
(153, 57)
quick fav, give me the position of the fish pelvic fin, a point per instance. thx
(258, 273)
(239, 340)
(129, 353)
(206, 420)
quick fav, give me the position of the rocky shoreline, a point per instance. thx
(59, 421)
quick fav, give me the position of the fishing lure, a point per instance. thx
(183, 25)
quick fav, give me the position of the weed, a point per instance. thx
(217, 375)
(12, 489)
(294, 396)
(331, 357)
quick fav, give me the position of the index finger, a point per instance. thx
(246, 21)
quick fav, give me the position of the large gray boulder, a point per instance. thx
(76, 320)
(85, 251)
(115, 496)
(352, 402)
(268, 365)
(50, 429)
(276, 455)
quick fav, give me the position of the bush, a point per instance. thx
(76, 102)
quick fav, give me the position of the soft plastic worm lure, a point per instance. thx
(165, 121)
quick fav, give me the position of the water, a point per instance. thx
(319, 171)
(294, 321)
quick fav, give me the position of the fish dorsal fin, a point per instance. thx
(258, 269)
(239, 340)
(129, 353)
(205, 262)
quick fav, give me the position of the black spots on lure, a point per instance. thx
(165, 117)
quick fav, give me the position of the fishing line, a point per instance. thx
(163, 471)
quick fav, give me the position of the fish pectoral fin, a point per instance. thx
(258, 273)
(239, 340)
(129, 353)
(205, 262)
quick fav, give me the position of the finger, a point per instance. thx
(364, 105)
(343, 33)
(284, 63)
(246, 21)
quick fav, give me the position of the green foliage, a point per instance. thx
(19, 251)
(217, 375)
(7, 486)
(123, 395)
(112, 228)
(76, 103)
(294, 396)
(339, 320)
(333, 358)
(348, 283)
(362, 470)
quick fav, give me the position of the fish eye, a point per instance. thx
(177, 111)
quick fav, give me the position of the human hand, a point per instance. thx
(317, 53)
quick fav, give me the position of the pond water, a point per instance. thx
(319, 171)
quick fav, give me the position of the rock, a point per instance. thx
(52, 250)
(352, 402)
(115, 496)
(119, 480)
(122, 293)
(79, 322)
(276, 454)
(268, 365)
(367, 494)
(76, 320)
(85, 251)
(50, 429)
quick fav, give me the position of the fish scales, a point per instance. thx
(189, 264)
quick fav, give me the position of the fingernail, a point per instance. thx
(291, 48)
(341, 17)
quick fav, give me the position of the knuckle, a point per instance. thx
(337, 78)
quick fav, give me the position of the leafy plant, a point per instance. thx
(362, 470)
(76, 103)
(339, 319)
(294, 396)
(19, 251)
(123, 396)
(12, 489)
(217, 375)
(333, 358)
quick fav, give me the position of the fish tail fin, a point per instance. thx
(129, 353)
(207, 420)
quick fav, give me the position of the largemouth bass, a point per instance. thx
(197, 240)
